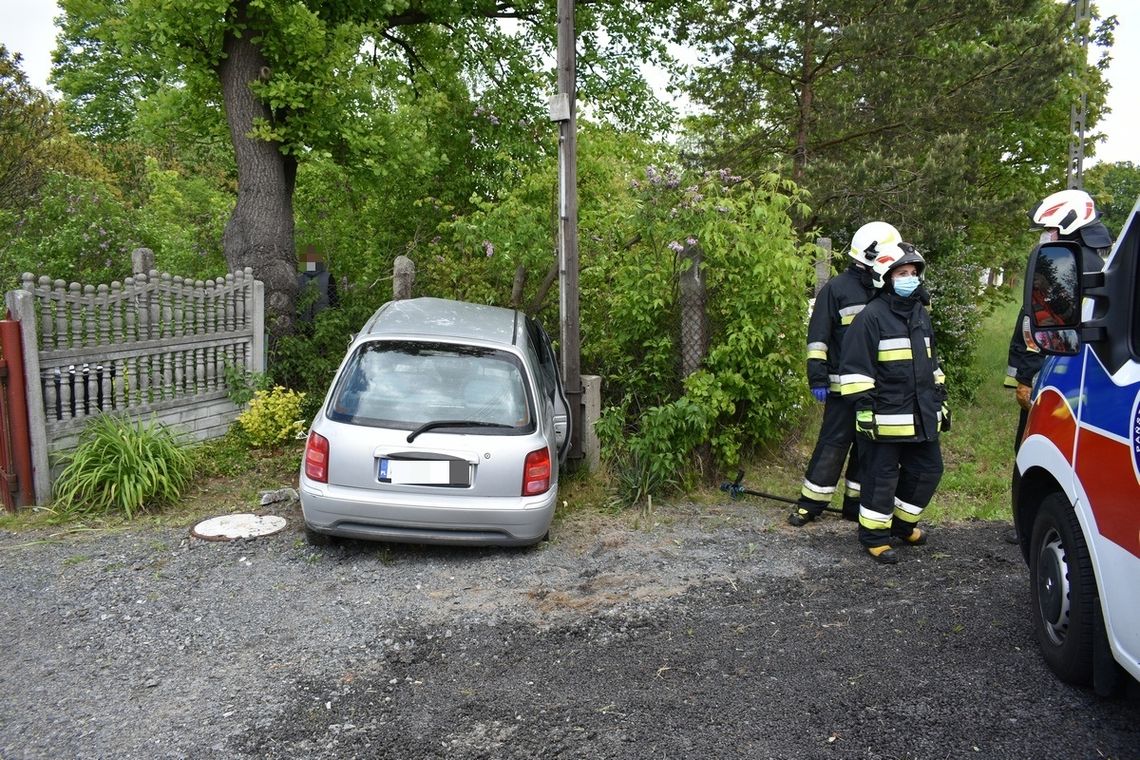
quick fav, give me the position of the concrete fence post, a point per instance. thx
(142, 260)
(822, 264)
(258, 343)
(591, 413)
(403, 277)
(23, 307)
(694, 323)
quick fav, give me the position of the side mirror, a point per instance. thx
(1052, 297)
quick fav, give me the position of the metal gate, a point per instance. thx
(8, 481)
(15, 445)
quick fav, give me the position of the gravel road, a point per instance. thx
(717, 632)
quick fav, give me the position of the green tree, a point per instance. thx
(860, 100)
(295, 79)
(35, 141)
(947, 119)
(1115, 188)
(28, 123)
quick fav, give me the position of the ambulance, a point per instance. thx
(1076, 493)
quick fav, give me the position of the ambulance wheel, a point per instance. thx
(1063, 589)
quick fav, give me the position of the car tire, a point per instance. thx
(1063, 590)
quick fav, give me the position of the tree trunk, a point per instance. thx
(803, 120)
(259, 234)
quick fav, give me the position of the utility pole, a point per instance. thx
(1075, 179)
(562, 109)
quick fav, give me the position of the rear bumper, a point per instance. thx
(411, 518)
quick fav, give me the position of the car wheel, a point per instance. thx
(1063, 589)
(317, 539)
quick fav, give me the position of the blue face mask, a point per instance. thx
(904, 286)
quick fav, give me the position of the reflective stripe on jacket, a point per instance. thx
(890, 366)
(836, 307)
(1025, 358)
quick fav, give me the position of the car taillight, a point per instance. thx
(536, 473)
(317, 458)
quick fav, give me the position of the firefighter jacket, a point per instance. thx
(890, 368)
(838, 302)
(1025, 358)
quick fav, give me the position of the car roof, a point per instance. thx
(443, 319)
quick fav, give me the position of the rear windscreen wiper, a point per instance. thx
(454, 423)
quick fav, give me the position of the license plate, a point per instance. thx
(424, 472)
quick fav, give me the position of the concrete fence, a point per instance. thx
(155, 346)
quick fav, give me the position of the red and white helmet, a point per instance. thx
(872, 239)
(895, 256)
(1066, 211)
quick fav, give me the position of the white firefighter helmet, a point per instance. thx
(872, 239)
(892, 258)
(1066, 211)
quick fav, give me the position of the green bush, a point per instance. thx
(83, 230)
(242, 384)
(121, 466)
(79, 231)
(749, 388)
(182, 219)
(307, 360)
(638, 216)
(273, 417)
(225, 457)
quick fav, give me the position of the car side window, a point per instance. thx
(548, 365)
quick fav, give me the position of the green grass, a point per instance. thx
(979, 450)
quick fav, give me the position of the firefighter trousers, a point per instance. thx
(899, 480)
(832, 448)
(1022, 422)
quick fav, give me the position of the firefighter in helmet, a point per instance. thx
(1065, 215)
(843, 297)
(890, 372)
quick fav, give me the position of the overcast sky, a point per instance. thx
(27, 28)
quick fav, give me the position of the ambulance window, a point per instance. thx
(1134, 297)
(1127, 250)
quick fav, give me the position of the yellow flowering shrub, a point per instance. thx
(273, 417)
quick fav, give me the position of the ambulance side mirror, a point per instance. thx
(1052, 297)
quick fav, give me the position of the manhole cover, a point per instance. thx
(230, 527)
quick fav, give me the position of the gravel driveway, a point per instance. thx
(713, 633)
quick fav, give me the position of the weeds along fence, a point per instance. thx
(155, 346)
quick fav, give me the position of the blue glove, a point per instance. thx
(820, 394)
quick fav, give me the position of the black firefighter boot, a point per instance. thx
(884, 554)
(801, 517)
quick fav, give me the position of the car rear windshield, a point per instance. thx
(404, 384)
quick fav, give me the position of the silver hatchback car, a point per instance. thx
(445, 423)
